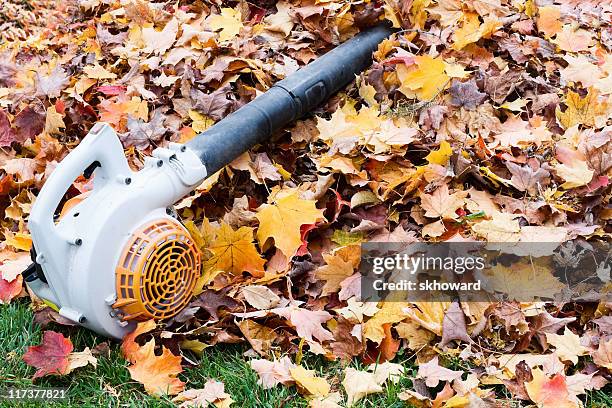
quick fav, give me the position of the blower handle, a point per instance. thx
(100, 148)
(286, 101)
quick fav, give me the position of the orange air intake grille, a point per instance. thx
(157, 271)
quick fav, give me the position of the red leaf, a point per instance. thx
(112, 90)
(51, 357)
(9, 290)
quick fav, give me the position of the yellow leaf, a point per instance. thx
(54, 121)
(336, 270)
(567, 346)
(282, 219)
(368, 92)
(523, 281)
(581, 111)
(390, 312)
(358, 384)
(440, 156)
(576, 175)
(229, 22)
(234, 252)
(194, 345)
(200, 122)
(98, 72)
(426, 79)
(471, 30)
(516, 105)
(503, 227)
(19, 240)
(309, 383)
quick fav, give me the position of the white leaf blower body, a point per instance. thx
(123, 225)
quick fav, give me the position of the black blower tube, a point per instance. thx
(287, 100)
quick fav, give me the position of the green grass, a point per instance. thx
(110, 385)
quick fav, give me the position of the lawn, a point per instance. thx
(110, 384)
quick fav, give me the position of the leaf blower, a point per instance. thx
(117, 255)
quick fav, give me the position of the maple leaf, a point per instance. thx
(358, 384)
(307, 323)
(260, 297)
(51, 85)
(157, 373)
(290, 212)
(426, 79)
(29, 122)
(580, 69)
(549, 392)
(502, 227)
(228, 23)
(234, 252)
(141, 134)
(454, 326)
(441, 204)
(260, 337)
(466, 94)
(433, 373)
(51, 357)
(603, 355)
(7, 133)
(336, 270)
(525, 178)
(567, 346)
(308, 383)
(549, 20)
(272, 373)
(10, 289)
(214, 105)
(212, 393)
(390, 312)
(281, 21)
(129, 347)
(442, 155)
(522, 281)
(575, 174)
(159, 42)
(580, 111)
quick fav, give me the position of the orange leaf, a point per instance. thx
(129, 347)
(51, 357)
(549, 392)
(157, 373)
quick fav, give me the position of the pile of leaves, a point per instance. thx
(478, 120)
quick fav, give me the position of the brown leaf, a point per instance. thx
(454, 326)
(29, 122)
(525, 178)
(7, 133)
(466, 94)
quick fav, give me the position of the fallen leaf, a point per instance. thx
(291, 212)
(51, 356)
(358, 384)
(157, 373)
(308, 383)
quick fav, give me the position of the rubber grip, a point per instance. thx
(287, 100)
